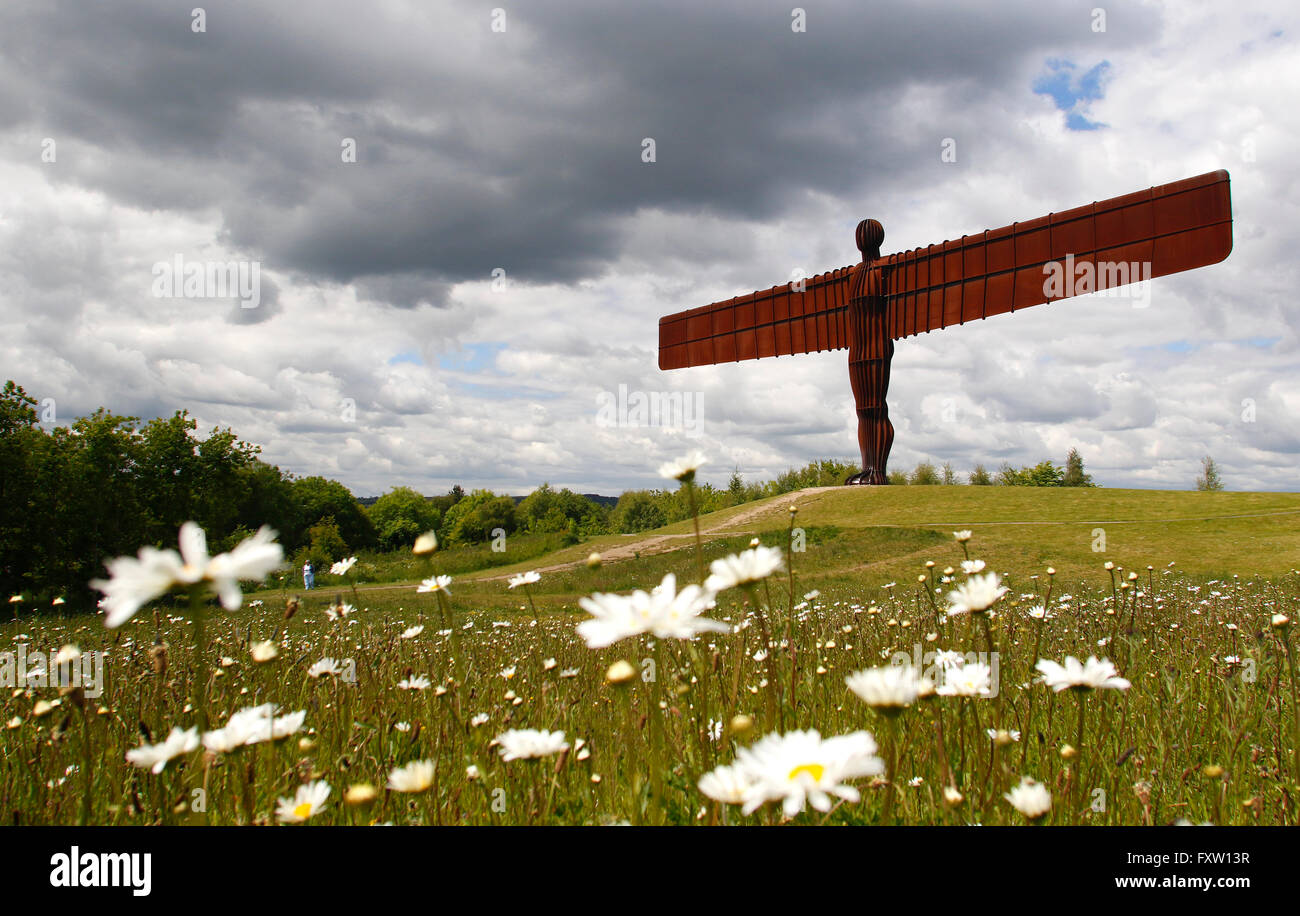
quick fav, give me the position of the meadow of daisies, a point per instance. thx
(726, 694)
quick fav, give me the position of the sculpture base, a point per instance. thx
(870, 478)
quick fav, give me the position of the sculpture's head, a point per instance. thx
(869, 236)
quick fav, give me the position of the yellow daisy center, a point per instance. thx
(303, 811)
(815, 770)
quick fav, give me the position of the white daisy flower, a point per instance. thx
(683, 468)
(155, 757)
(801, 768)
(308, 802)
(1089, 675)
(947, 658)
(526, 743)
(527, 578)
(664, 611)
(135, 581)
(342, 566)
(325, 667)
(1030, 798)
(970, 567)
(416, 776)
(435, 584)
(891, 688)
(339, 611)
(253, 725)
(418, 682)
(412, 632)
(751, 565)
(727, 784)
(978, 593)
(972, 680)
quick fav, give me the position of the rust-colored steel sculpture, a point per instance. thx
(865, 308)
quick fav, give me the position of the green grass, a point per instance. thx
(1197, 736)
(883, 534)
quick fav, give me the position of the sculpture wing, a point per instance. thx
(1166, 229)
(771, 322)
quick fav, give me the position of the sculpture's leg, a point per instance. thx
(870, 352)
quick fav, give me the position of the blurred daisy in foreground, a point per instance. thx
(801, 768)
(528, 743)
(326, 667)
(309, 801)
(342, 567)
(1089, 675)
(889, 690)
(135, 581)
(416, 776)
(971, 680)
(1030, 798)
(727, 784)
(663, 611)
(742, 568)
(155, 757)
(683, 469)
(253, 725)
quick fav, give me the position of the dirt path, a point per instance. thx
(643, 545)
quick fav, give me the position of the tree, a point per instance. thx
(474, 518)
(1209, 479)
(949, 475)
(925, 475)
(736, 487)
(898, 478)
(325, 546)
(980, 477)
(1074, 475)
(401, 515)
(637, 510)
(1008, 476)
(267, 499)
(1043, 474)
(319, 498)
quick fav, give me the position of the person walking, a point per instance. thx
(308, 576)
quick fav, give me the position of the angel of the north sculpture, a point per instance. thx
(865, 308)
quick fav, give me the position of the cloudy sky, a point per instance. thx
(450, 306)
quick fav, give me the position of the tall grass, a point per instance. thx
(1207, 732)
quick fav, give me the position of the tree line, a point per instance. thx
(71, 497)
(1043, 474)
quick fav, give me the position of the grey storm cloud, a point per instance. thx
(466, 163)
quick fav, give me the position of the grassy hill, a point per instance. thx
(863, 537)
